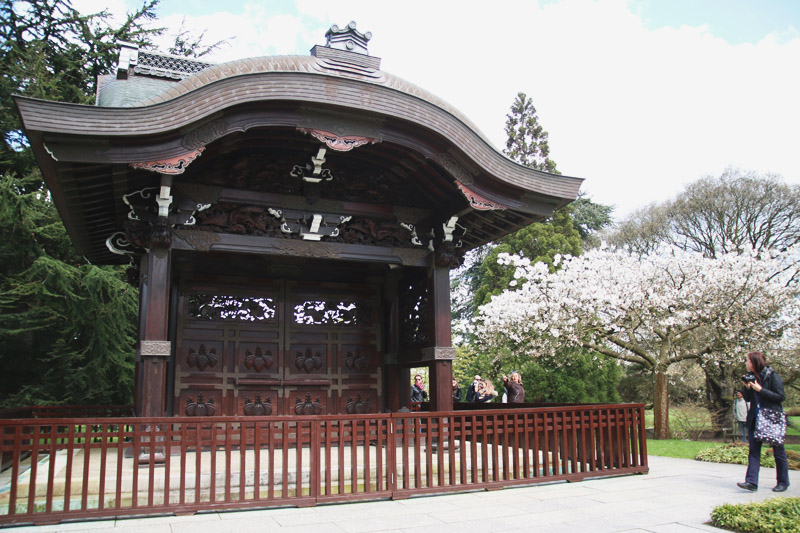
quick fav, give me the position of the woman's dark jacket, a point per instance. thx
(456, 393)
(417, 394)
(514, 392)
(472, 394)
(770, 397)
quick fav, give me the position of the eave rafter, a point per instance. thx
(402, 139)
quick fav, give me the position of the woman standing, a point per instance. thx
(486, 392)
(764, 390)
(418, 392)
(456, 391)
(514, 390)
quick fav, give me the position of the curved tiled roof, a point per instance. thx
(298, 79)
(279, 93)
(309, 64)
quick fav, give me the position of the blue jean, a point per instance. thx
(742, 430)
(754, 462)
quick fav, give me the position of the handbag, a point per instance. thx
(770, 426)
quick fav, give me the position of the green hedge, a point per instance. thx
(778, 515)
(737, 454)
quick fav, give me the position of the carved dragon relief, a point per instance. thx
(294, 224)
(444, 239)
(151, 217)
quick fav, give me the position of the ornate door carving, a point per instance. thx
(279, 347)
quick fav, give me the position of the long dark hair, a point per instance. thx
(758, 361)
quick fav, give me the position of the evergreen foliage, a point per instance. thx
(565, 233)
(188, 44)
(49, 50)
(527, 140)
(776, 515)
(539, 242)
(67, 328)
(583, 380)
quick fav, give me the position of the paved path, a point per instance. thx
(676, 496)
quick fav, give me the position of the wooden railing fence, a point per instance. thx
(67, 468)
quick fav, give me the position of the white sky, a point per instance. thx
(638, 98)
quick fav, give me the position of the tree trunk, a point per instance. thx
(721, 382)
(661, 405)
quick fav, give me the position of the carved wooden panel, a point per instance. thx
(307, 401)
(200, 402)
(257, 401)
(359, 401)
(277, 347)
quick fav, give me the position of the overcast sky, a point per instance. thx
(639, 97)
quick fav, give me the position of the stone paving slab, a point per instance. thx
(677, 496)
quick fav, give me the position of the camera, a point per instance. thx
(749, 377)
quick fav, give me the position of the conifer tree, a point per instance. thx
(67, 328)
(564, 233)
(527, 140)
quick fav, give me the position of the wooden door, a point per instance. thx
(277, 347)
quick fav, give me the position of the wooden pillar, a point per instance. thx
(398, 391)
(396, 378)
(442, 354)
(154, 344)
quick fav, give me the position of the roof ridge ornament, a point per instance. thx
(348, 38)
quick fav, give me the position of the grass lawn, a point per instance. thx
(683, 420)
(682, 449)
(687, 449)
(796, 429)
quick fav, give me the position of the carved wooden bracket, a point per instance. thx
(476, 201)
(175, 165)
(340, 143)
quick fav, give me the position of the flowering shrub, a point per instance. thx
(654, 309)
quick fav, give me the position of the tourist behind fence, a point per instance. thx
(740, 407)
(418, 392)
(763, 390)
(472, 391)
(486, 392)
(514, 390)
(456, 391)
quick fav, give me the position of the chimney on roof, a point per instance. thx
(128, 57)
(347, 46)
(348, 38)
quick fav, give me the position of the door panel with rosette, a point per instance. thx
(279, 347)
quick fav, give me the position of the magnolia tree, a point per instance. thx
(653, 310)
